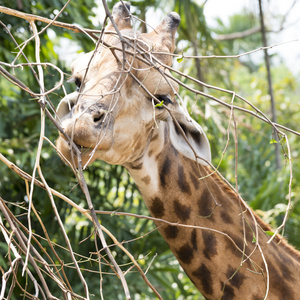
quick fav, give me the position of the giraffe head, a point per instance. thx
(112, 114)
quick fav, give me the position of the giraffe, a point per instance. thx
(218, 240)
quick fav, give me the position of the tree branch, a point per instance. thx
(29, 17)
(238, 35)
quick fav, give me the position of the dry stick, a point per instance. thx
(86, 192)
(27, 177)
(97, 225)
(184, 136)
(194, 151)
(275, 127)
(38, 155)
(21, 85)
(29, 17)
(239, 196)
(257, 245)
(95, 220)
(94, 217)
(18, 257)
(40, 144)
(49, 243)
(6, 212)
(262, 117)
(47, 26)
(264, 120)
(72, 27)
(64, 234)
(34, 281)
(39, 258)
(290, 192)
(227, 56)
(91, 32)
(118, 213)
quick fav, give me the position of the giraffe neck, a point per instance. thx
(218, 251)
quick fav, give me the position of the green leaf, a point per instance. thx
(271, 233)
(254, 238)
(180, 59)
(273, 141)
(159, 104)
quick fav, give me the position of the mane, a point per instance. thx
(281, 241)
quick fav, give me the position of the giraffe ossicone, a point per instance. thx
(114, 117)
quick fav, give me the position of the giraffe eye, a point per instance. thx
(165, 99)
(78, 83)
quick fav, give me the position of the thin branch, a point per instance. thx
(30, 17)
(237, 35)
(85, 212)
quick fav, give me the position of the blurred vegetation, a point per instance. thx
(110, 187)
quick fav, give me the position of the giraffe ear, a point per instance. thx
(121, 16)
(166, 30)
(197, 145)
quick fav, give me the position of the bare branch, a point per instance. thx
(30, 17)
(237, 35)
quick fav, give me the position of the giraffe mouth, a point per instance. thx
(82, 149)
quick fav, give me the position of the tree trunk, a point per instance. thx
(198, 64)
(269, 78)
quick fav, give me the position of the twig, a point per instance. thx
(40, 144)
(30, 17)
(85, 212)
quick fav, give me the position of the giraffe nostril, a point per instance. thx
(97, 118)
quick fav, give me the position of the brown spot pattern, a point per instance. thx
(284, 263)
(150, 153)
(204, 275)
(164, 172)
(182, 211)
(206, 205)
(228, 293)
(194, 180)
(194, 239)
(157, 207)
(210, 244)
(226, 218)
(284, 290)
(231, 247)
(185, 254)
(171, 232)
(146, 179)
(182, 182)
(237, 279)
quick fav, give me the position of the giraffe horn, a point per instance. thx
(121, 16)
(167, 29)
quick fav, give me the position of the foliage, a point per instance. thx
(110, 187)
